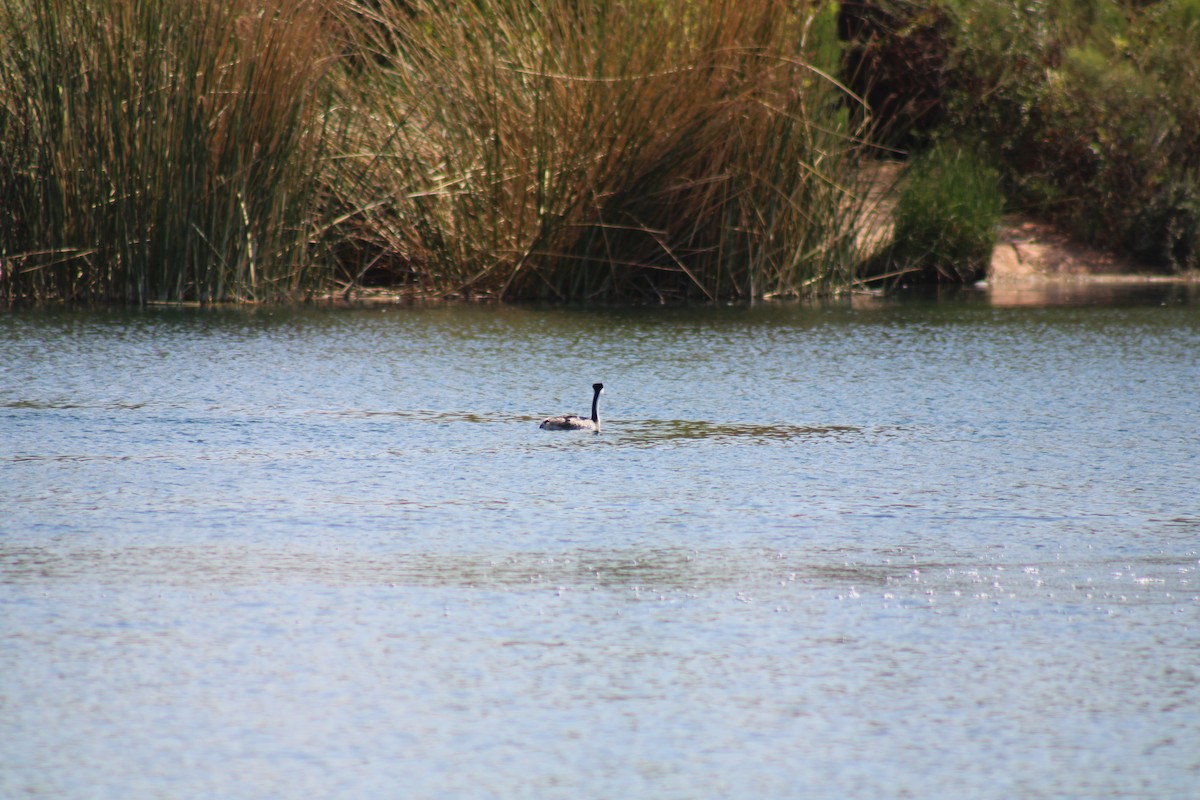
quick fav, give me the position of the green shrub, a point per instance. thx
(946, 215)
(1091, 108)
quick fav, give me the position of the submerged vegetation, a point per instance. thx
(636, 149)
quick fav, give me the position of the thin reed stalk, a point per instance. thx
(641, 148)
(160, 153)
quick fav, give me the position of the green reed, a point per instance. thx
(555, 149)
(160, 153)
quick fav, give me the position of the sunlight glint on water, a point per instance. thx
(907, 549)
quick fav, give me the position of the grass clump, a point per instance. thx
(637, 149)
(946, 215)
(152, 153)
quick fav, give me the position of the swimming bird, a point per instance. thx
(571, 422)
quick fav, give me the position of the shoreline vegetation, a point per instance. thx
(640, 150)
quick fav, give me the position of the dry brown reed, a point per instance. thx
(152, 152)
(555, 149)
(218, 151)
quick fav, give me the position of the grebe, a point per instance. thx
(571, 422)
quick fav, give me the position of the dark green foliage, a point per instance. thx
(1167, 229)
(896, 58)
(1089, 107)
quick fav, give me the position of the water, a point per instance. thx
(894, 548)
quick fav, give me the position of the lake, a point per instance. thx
(874, 548)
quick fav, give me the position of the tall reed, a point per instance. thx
(160, 152)
(635, 148)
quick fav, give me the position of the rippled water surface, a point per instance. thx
(881, 549)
